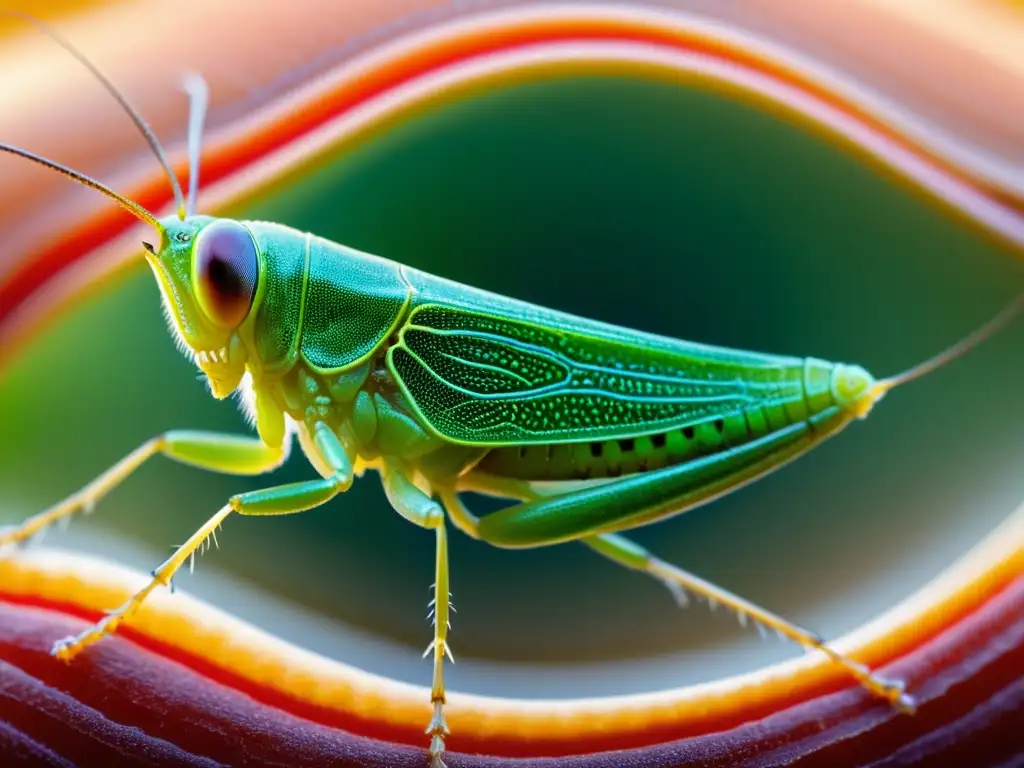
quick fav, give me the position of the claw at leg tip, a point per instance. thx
(907, 704)
(63, 649)
(896, 692)
(904, 702)
(436, 750)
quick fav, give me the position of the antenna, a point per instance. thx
(129, 205)
(958, 350)
(141, 124)
(199, 97)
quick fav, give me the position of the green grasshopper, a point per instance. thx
(592, 429)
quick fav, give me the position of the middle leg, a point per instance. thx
(418, 508)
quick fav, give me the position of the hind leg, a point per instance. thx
(621, 550)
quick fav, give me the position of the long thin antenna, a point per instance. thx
(959, 349)
(132, 207)
(198, 97)
(141, 124)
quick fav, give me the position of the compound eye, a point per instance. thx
(225, 269)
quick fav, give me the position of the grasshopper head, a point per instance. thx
(207, 268)
(208, 271)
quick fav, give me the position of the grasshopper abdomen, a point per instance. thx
(811, 393)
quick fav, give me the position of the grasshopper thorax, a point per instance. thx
(208, 271)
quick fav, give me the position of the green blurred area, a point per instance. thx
(663, 208)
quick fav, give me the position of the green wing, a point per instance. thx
(505, 372)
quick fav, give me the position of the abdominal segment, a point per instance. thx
(626, 456)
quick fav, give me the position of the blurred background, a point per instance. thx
(671, 207)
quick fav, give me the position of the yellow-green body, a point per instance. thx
(442, 388)
(471, 389)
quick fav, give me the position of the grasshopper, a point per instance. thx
(591, 429)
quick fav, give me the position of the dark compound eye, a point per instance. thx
(225, 268)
